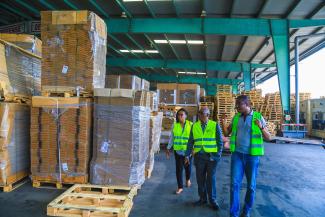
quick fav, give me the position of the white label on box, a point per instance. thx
(65, 69)
(65, 167)
(104, 147)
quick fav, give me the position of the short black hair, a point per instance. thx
(243, 98)
(181, 110)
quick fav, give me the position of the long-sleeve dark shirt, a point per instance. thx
(202, 153)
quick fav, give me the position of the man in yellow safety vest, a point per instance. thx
(246, 144)
(206, 145)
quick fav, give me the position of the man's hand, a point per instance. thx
(259, 124)
(167, 154)
(187, 161)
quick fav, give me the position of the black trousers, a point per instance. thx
(180, 165)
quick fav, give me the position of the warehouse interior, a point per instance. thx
(94, 87)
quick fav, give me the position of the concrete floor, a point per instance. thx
(291, 182)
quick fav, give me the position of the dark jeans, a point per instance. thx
(180, 165)
(206, 177)
(242, 164)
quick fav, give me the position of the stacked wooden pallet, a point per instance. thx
(271, 127)
(74, 54)
(20, 72)
(209, 105)
(207, 99)
(302, 97)
(224, 88)
(273, 111)
(256, 99)
(14, 144)
(61, 132)
(93, 200)
(224, 105)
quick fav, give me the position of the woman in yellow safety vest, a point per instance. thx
(178, 140)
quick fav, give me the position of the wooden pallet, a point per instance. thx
(62, 91)
(15, 181)
(93, 201)
(51, 182)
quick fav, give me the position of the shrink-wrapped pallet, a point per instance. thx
(74, 50)
(121, 137)
(61, 133)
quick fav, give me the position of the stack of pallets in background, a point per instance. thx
(121, 137)
(273, 110)
(224, 103)
(19, 79)
(256, 98)
(302, 97)
(271, 127)
(207, 99)
(73, 64)
(209, 105)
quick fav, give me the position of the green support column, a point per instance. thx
(235, 89)
(280, 37)
(211, 90)
(247, 76)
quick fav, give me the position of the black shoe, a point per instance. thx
(245, 215)
(215, 206)
(200, 203)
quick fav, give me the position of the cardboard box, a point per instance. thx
(20, 72)
(63, 128)
(130, 82)
(74, 49)
(188, 94)
(121, 137)
(145, 85)
(14, 142)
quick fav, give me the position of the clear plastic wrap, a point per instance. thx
(74, 49)
(188, 93)
(20, 72)
(121, 140)
(28, 42)
(61, 136)
(154, 136)
(130, 82)
(14, 142)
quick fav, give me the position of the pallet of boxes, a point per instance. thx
(73, 64)
(121, 132)
(20, 70)
(172, 97)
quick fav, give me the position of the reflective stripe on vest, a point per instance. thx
(256, 146)
(207, 140)
(181, 137)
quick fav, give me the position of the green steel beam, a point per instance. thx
(47, 4)
(280, 37)
(247, 76)
(234, 88)
(71, 5)
(15, 11)
(187, 79)
(306, 23)
(29, 7)
(99, 8)
(182, 64)
(219, 26)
